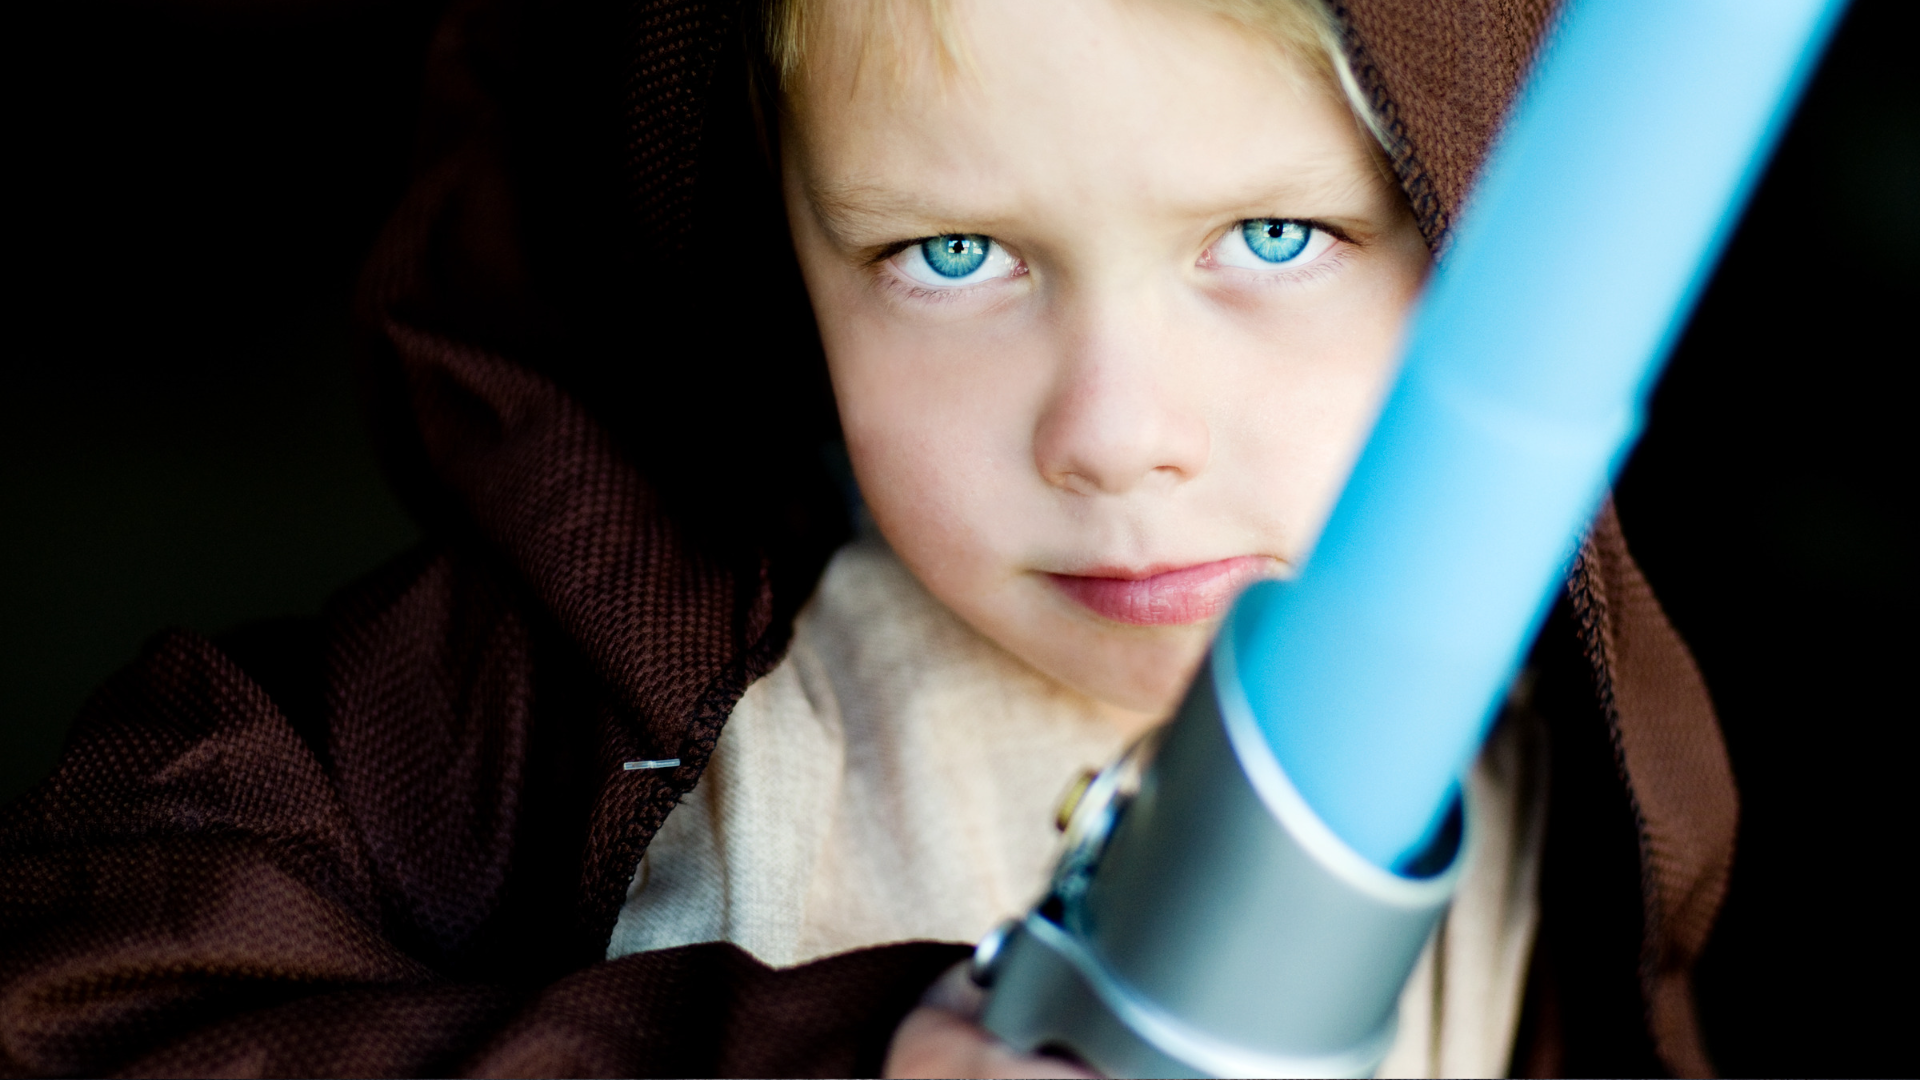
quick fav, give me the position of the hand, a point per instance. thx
(942, 1037)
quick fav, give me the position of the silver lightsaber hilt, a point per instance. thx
(1203, 921)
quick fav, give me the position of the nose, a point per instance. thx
(1116, 421)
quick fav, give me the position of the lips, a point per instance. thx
(1189, 594)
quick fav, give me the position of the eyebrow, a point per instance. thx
(1315, 183)
(846, 210)
(851, 210)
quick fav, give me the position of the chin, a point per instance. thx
(1138, 669)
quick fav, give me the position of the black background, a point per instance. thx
(194, 187)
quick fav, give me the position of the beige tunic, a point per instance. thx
(895, 778)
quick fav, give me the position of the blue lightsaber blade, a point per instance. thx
(1375, 674)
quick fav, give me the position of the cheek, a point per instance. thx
(1306, 385)
(939, 427)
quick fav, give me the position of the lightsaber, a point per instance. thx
(1248, 895)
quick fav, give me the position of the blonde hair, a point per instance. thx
(1304, 30)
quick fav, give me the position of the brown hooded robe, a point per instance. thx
(394, 839)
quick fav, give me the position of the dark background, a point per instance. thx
(196, 185)
(1764, 503)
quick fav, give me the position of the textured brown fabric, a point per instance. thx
(1440, 76)
(1641, 831)
(1679, 778)
(393, 840)
(699, 1010)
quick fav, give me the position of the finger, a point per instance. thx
(956, 992)
(934, 1042)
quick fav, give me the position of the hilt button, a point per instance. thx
(1070, 801)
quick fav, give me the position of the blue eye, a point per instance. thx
(955, 255)
(956, 261)
(1275, 240)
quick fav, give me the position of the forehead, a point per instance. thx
(1077, 103)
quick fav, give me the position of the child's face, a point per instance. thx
(1087, 441)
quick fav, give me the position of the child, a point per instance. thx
(1108, 290)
